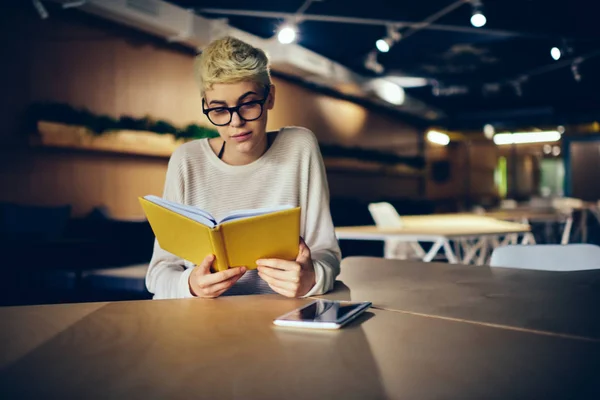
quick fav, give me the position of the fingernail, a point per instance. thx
(242, 269)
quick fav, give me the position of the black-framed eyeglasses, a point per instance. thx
(249, 111)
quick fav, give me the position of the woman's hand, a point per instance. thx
(289, 278)
(209, 285)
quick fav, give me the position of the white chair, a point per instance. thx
(385, 216)
(508, 204)
(548, 257)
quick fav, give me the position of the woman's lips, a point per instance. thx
(242, 136)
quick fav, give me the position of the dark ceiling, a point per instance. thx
(476, 69)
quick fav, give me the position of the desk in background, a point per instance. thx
(470, 233)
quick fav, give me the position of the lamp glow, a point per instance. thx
(526, 137)
(286, 35)
(388, 91)
(438, 138)
(382, 45)
(555, 53)
(478, 19)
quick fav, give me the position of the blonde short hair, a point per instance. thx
(230, 60)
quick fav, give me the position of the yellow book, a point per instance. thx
(239, 239)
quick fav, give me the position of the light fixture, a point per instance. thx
(388, 91)
(477, 18)
(408, 81)
(555, 53)
(526, 137)
(382, 45)
(575, 69)
(40, 9)
(555, 151)
(438, 137)
(385, 44)
(287, 34)
(372, 64)
(488, 131)
(560, 129)
(547, 149)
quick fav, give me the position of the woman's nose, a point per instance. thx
(236, 120)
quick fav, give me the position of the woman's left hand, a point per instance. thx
(289, 278)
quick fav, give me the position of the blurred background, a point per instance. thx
(437, 106)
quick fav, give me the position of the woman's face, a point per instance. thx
(244, 135)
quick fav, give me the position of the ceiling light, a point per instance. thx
(547, 149)
(560, 129)
(575, 69)
(372, 64)
(40, 9)
(438, 138)
(388, 91)
(408, 81)
(555, 151)
(526, 137)
(555, 53)
(287, 34)
(382, 45)
(477, 19)
(488, 131)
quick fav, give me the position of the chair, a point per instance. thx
(125, 279)
(385, 216)
(548, 257)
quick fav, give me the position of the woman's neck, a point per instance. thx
(232, 157)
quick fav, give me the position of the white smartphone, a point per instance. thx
(323, 314)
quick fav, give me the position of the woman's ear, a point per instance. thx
(271, 100)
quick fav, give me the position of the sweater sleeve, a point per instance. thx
(319, 233)
(168, 275)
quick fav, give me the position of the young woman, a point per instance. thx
(247, 167)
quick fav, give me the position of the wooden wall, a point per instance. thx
(83, 61)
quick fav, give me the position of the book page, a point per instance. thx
(190, 212)
(240, 214)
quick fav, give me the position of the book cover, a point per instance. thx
(238, 240)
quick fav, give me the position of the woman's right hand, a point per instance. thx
(209, 285)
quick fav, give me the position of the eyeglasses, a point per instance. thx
(249, 111)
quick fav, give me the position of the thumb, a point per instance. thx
(206, 264)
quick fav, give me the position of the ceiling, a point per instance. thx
(502, 73)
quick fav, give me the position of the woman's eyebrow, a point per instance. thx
(239, 98)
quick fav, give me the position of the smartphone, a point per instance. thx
(323, 314)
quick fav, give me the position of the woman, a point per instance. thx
(247, 167)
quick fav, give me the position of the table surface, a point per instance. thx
(444, 225)
(529, 214)
(229, 348)
(557, 302)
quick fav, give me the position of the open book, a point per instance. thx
(238, 239)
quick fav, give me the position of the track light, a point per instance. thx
(438, 138)
(489, 131)
(555, 53)
(388, 91)
(526, 137)
(287, 33)
(575, 69)
(372, 64)
(40, 9)
(384, 45)
(478, 19)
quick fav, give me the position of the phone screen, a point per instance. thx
(323, 311)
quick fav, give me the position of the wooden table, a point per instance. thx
(228, 348)
(471, 233)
